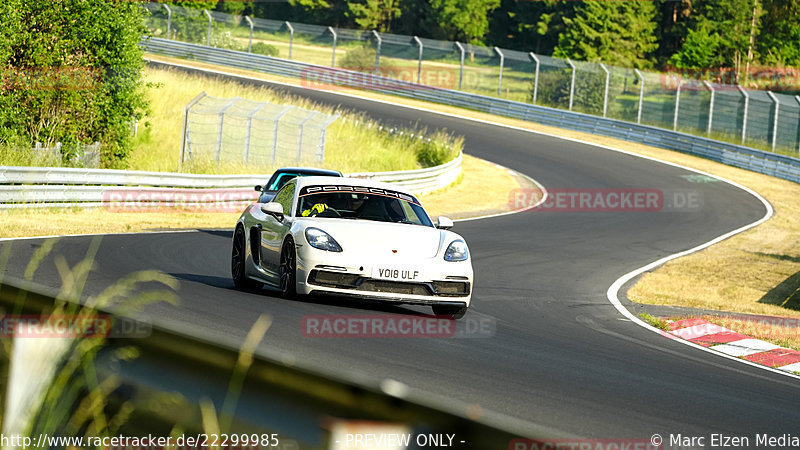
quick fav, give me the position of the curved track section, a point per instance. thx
(560, 355)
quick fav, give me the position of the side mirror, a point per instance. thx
(273, 209)
(258, 188)
(444, 223)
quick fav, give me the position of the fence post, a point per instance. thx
(797, 98)
(219, 128)
(461, 69)
(641, 95)
(744, 115)
(169, 18)
(208, 36)
(277, 119)
(333, 52)
(500, 78)
(774, 119)
(377, 51)
(320, 156)
(535, 76)
(250, 115)
(185, 134)
(677, 105)
(300, 136)
(571, 84)
(291, 37)
(710, 107)
(250, 42)
(605, 94)
(419, 63)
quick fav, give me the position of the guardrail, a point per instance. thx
(176, 368)
(25, 187)
(780, 166)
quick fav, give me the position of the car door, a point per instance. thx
(274, 230)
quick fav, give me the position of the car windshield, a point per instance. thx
(365, 203)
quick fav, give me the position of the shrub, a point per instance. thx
(265, 49)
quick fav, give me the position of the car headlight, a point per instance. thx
(322, 240)
(456, 251)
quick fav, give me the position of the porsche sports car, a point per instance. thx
(284, 174)
(352, 237)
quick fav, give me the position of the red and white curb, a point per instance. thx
(715, 337)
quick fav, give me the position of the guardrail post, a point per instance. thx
(210, 20)
(277, 119)
(571, 84)
(320, 156)
(535, 75)
(291, 37)
(377, 51)
(333, 51)
(605, 94)
(185, 134)
(710, 107)
(797, 98)
(250, 42)
(248, 131)
(641, 95)
(169, 18)
(774, 119)
(677, 105)
(744, 115)
(219, 128)
(461, 68)
(419, 63)
(500, 78)
(300, 136)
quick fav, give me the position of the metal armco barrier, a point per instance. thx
(316, 76)
(177, 367)
(25, 187)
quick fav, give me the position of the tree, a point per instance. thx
(74, 73)
(728, 24)
(464, 20)
(375, 14)
(700, 50)
(618, 33)
(779, 39)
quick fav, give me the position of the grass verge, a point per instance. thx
(354, 143)
(48, 222)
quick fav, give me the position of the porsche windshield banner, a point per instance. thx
(333, 189)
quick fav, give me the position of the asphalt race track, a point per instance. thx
(559, 356)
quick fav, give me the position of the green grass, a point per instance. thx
(657, 322)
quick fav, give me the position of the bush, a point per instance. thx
(361, 59)
(265, 49)
(72, 74)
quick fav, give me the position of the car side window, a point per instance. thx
(285, 197)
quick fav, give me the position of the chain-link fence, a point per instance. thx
(252, 133)
(760, 119)
(53, 156)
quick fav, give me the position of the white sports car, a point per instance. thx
(352, 237)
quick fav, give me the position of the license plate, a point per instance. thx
(397, 273)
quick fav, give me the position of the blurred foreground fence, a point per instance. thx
(171, 373)
(253, 133)
(710, 108)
